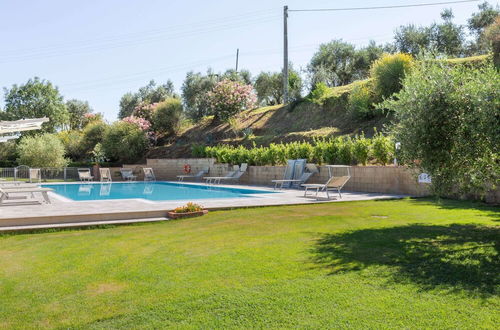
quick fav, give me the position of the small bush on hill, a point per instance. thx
(447, 123)
(319, 93)
(361, 100)
(388, 73)
(124, 142)
(44, 150)
(167, 116)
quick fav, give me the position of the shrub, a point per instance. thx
(227, 98)
(44, 150)
(124, 142)
(320, 92)
(167, 116)
(383, 148)
(142, 123)
(362, 149)
(361, 101)
(92, 134)
(447, 119)
(72, 141)
(338, 150)
(8, 154)
(144, 110)
(389, 71)
(98, 154)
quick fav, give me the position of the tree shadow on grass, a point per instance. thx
(455, 256)
(487, 210)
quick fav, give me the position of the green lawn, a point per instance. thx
(377, 264)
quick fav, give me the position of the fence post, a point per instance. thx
(15, 173)
(65, 173)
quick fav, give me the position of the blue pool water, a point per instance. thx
(154, 191)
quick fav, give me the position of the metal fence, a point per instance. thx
(21, 173)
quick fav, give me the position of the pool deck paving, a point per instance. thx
(66, 213)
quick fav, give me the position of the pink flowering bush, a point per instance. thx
(142, 123)
(228, 97)
(145, 111)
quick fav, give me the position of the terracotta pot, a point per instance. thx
(174, 215)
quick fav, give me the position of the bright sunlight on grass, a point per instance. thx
(374, 264)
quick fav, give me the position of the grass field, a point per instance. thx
(376, 264)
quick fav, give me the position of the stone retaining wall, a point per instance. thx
(383, 179)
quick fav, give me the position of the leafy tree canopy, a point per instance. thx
(447, 122)
(339, 63)
(480, 20)
(444, 38)
(77, 110)
(269, 86)
(151, 93)
(34, 99)
(196, 85)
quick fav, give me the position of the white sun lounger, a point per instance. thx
(105, 175)
(217, 179)
(12, 195)
(149, 175)
(128, 174)
(234, 175)
(197, 176)
(84, 174)
(333, 183)
(17, 184)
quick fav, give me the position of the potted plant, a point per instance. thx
(187, 211)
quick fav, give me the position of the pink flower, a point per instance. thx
(142, 123)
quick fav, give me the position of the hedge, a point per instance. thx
(336, 150)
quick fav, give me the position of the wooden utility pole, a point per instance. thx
(237, 55)
(285, 54)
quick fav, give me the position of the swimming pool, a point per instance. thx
(153, 191)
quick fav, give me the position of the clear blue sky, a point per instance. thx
(97, 50)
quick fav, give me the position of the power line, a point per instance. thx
(140, 34)
(387, 7)
(107, 83)
(117, 43)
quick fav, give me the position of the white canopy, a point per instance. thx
(21, 125)
(6, 138)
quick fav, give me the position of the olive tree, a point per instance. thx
(447, 122)
(44, 150)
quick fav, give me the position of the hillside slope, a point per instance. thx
(323, 113)
(262, 126)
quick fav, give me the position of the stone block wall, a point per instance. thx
(383, 179)
(377, 179)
